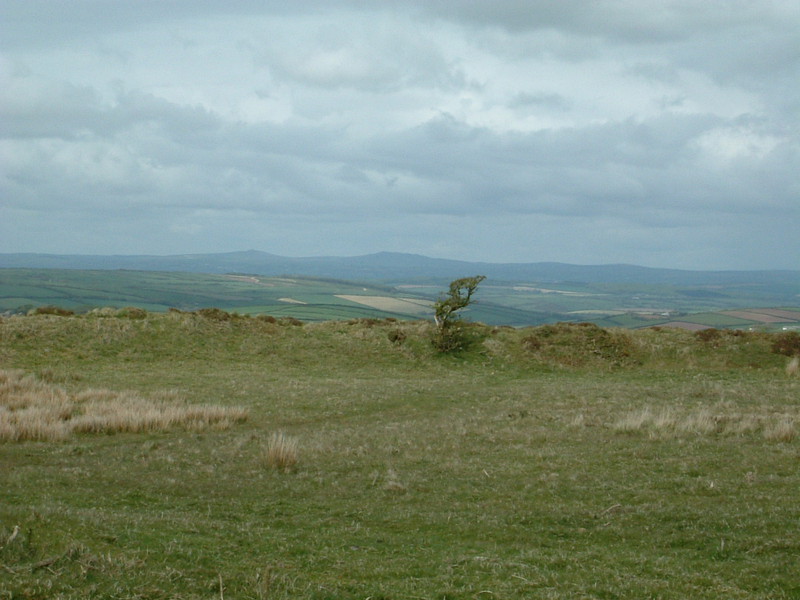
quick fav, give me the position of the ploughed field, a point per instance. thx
(207, 455)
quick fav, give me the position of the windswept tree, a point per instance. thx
(449, 334)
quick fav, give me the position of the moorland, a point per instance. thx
(271, 458)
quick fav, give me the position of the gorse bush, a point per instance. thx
(365, 321)
(215, 314)
(459, 337)
(52, 310)
(787, 343)
(719, 337)
(708, 335)
(290, 321)
(397, 336)
(131, 312)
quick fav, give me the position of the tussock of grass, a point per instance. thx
(393, 483)
(281, 452)
(671, 423)
(31, 409)
(781, 430)
(633, 421)
(793, 367)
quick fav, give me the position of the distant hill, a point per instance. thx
(392, 267)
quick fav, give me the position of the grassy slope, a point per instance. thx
(502, 472)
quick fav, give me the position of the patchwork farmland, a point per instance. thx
(518, 304)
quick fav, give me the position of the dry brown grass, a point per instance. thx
(672, 422)
(281, 452)
(393, 483)
(793, 367)
(781, 430)
(633, 421)
(31, 409)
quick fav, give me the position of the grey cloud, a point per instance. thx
(366, 53)
(448, 143)
(34, 108)
(192, 158)
(659, 72)
(44, 23)
(546, 100)
(418, 124)
(31, 108)
(631, 21)
(741, 42)
(623, 168)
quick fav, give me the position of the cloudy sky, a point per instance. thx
(655, 132)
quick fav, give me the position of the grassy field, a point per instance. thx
(563, 461)
(80, 291)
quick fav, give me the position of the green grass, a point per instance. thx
(716, 320)
(501, 472)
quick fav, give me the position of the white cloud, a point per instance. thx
(726, 146)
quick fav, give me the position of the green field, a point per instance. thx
(159, 291)
(562, 461)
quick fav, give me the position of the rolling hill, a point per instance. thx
(401, 268)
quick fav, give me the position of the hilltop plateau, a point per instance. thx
(205, 454)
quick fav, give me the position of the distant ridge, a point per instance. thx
(393, 267)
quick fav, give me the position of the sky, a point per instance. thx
(663, 133)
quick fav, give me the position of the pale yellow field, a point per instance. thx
(402, 305)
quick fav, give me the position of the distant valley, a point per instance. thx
(402, 286)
